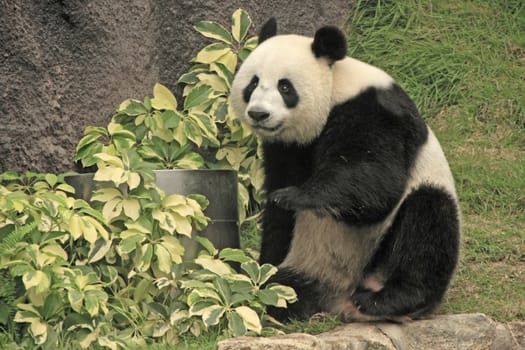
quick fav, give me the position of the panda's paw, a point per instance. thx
(291, 198)
(365, 301)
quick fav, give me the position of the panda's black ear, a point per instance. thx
(329, 41)
(268, 30)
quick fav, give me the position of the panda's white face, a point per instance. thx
(282, 91)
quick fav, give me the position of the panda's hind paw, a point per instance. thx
(365, 301)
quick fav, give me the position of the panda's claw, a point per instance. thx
(286, 198)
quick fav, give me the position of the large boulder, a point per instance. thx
(67, 64)
(446, 332)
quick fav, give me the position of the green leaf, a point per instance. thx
(66, 188)
(244, 53)
(220, 110)
(197, 305)
(146, 257)
(190, 77)
(163, 98)
(91, 302)
(106, 194)
(111, 210)
(159, 309)
(198, 96)
(75, 298)
(285, 293)
(241, 22)
(199, 198)
(170, 118)
(91, 134)
(268, 297)
(51, 179)
(73, 320)
(52, 306)
(134, 108)
(212, 315)
(190, 160)
(39, 331)
(236, 255)
(250, 318)
(206, 243)
(38, 279)
(236, 324)
(99, 250)
(109, 274)
(129, 244)
(193, 132)
(163, 258)
(214, 30)
(207, 126)
(266, 271)
(88, 340)
(212, 53)
(223, 72)
(213, 265)
(174, 247)
(131, 208)
(223, 288)
(178, 315)
(252, 269)
(193, 284)
(242, 298)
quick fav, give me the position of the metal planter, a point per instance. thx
(219, 186)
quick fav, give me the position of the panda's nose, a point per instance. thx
(258, 116)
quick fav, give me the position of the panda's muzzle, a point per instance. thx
(258, 116)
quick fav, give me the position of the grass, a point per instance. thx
(464, 65)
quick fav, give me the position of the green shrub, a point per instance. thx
(112, 273)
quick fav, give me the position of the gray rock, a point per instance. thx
(446, 332)
(65, 65)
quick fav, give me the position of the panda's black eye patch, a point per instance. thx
(288, 93)
(248, 90)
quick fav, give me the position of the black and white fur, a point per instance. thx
(362, 216)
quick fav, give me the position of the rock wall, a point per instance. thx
(66, 64)
(452, 332)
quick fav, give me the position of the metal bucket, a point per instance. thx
(219, 186)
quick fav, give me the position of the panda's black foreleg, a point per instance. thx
(278, 226)
(310, 296)
(356, 193)
(417, 257)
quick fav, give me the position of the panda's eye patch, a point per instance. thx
(248, 90)
(284, 86)
(288, 93)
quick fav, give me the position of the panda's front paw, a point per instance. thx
(290, 198)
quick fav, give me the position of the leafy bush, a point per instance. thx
(112, 272)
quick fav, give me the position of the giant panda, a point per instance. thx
(362, 216)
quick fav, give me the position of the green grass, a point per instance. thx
(464, 65)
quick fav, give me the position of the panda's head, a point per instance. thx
(283, 89)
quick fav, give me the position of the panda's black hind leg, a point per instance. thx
(309, 296)
(417, 258)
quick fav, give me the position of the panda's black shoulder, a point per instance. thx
(377, 117)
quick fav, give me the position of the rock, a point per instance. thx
(68, 64)
(288, 342)
(445, 332)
